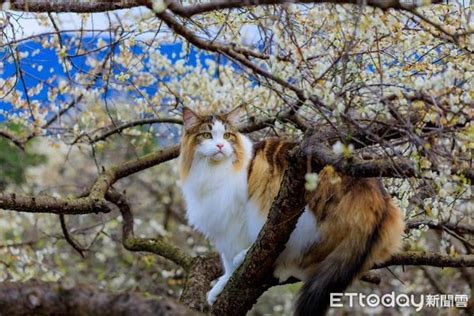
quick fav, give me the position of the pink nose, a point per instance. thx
(220, 146)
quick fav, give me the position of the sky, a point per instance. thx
(27, 25)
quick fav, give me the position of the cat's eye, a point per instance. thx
(206, 135)
(227, 135)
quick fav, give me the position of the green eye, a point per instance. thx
(206, 135)
(227, 135)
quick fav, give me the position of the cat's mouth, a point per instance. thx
(219, 155)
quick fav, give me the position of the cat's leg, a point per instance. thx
(217, 288)
(240, 258)
(229, 268)
(222, 281)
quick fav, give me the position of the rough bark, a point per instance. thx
(48, 204)
(202, 272)
(429, 259)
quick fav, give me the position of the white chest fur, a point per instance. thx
(216, 196)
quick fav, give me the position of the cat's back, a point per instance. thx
(266, 168)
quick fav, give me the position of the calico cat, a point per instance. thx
(229, 185)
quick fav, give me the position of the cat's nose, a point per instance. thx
(220, 146)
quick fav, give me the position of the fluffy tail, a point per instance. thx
(335, 273)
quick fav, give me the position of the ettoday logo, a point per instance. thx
(391, 299)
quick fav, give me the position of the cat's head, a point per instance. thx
(214, 137)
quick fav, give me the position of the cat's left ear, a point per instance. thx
(233, 117)
(190, 118)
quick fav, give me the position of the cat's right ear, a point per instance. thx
(234, 115)
(190, 118)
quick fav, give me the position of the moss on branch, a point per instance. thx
(161, 247)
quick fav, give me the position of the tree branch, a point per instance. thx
(48, 204)
(16, 141)
(428, 259)
(409, 259)
(130, 124)
(72, 6)
(68, 238)
(460, 228)
(200, 8)
(159, 246)
(314, 146)
(201, 273)
(185, 11)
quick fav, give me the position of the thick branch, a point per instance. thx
(72, 6)
(43, 298)
(175, 6)
(48, 204)
(107, 178)
(322, 155)
(94, 202)
(429, 259)
(190, 10)
(411, 259)
(159, 246)
(201, 273)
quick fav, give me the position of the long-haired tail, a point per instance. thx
(335, 273)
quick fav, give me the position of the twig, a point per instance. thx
(68, 238)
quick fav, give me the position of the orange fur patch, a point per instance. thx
(186, 155)
(238, 162)
(348, 211)
(266, 171)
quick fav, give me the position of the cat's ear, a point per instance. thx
(190, 118)
(233, 117)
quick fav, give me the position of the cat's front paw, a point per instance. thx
(281, 273)
(213, 293)
(216, 289)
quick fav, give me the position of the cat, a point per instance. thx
(229, 184)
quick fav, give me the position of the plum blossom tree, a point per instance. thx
(374, 88)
